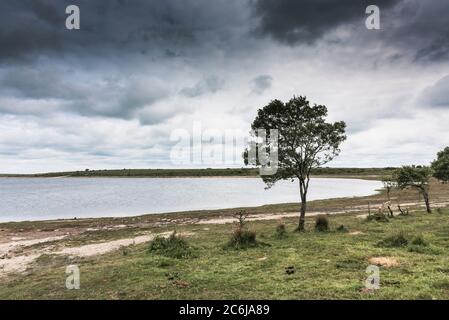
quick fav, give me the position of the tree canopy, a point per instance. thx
(441, 165)
(305, 140)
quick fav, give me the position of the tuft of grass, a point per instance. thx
(321, 224)
(281, 230)
(418, 241)
(242, 239)
(378, 216)
(394, 241)
(173, 247)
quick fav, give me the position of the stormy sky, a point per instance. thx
(112, 94)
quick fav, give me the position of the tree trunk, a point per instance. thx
(426, 200)
(391, 211)
(302, 215)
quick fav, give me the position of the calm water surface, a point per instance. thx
(56, 198)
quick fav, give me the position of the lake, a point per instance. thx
(65, 198)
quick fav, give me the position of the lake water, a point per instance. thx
(56, 198)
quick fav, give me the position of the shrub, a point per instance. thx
(418, 241)
(174, 246)
(321, 224)
(280, 230)
(394, 241)
(425, 249)
(378, 216)
(241, 236)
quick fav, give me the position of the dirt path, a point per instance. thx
(16, 256)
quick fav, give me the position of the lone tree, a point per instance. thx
(440, 166)
(305, 141)
(417, 178)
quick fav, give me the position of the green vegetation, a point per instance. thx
(321, 224)
(281, 230)
(440, 166)
(304, 141)
(365, 173)
(394, 241)
(173, 246)
(327, 265)
(378, 216)
(242, 237)
(416, 177)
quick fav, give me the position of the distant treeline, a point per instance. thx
(209, 172)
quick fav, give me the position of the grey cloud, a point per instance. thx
(119, 97)
(37, 83)
(261, 83)
(210, 84)
(437, 95)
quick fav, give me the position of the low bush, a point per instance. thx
(419, 245)
(418, 241)
(321, 224)
(173, 247)
(242, 237)
(394, 241)
(378, 216)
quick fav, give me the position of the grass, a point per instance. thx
(394, 241)
(329, 265)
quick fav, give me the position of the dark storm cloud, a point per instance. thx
(421, 27)
(414, 28)
(31, 28)
(120, 63)
(306, 21)
(261, 83)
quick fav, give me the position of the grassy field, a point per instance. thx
(328, 265)
(344, 172)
